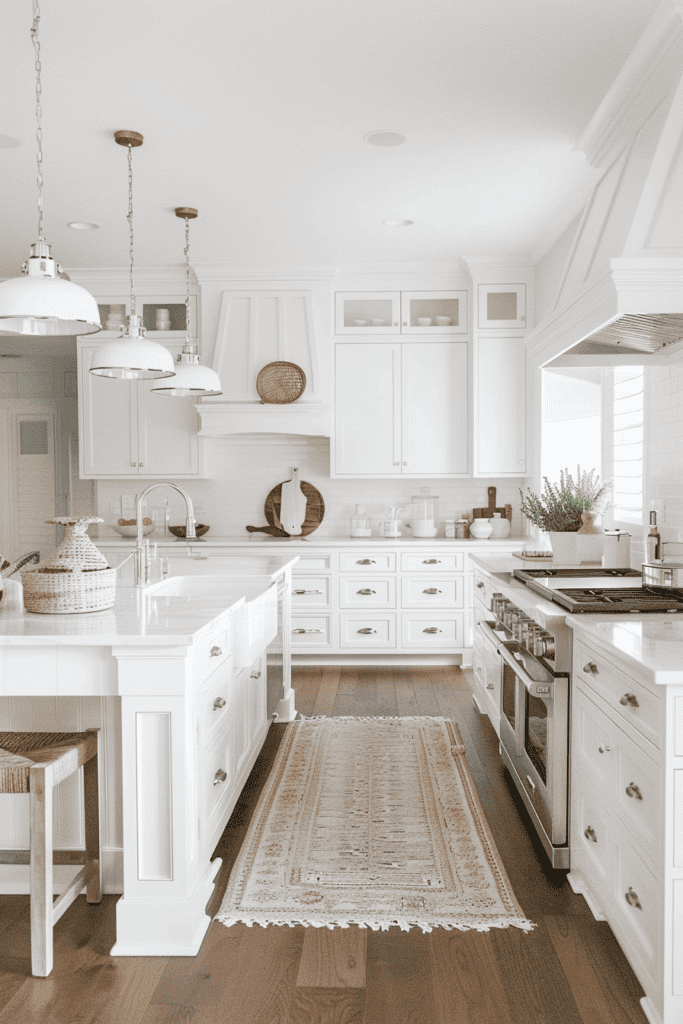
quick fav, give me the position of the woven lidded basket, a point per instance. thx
(280, 383)
(75, 578)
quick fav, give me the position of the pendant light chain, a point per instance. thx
(39, 116)
(130, 225)
(187, 280)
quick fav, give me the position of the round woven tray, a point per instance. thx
(280, 383)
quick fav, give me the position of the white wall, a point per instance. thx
(664, 483)
(247, 471)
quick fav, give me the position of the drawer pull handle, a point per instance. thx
(367, 630)
(591, 668)
(307, 631)
(219, 777)
(431, 561)
(631, 898)
(366, 561)
(604, 748)
(366, 591)
(432, 629)
(218, 704)
(308, 591)
(255, 675)
(629, 700)
(633, 791)
(480, 585)
(489, 686)
(431, 590)
(215, 652)
(590, 834)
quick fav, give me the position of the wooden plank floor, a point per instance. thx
(569, 970)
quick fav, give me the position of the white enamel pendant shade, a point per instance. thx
(133, 357)
(46, 306)
(191, 380)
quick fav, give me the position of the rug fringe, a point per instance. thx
(264, 920)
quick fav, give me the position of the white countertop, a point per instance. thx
(140, 618)
(313, 540)
(650, 643)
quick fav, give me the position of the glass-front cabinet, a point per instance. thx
(502, 307)
(424, 312)
(162, 317)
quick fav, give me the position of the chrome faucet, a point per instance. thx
(142, 560)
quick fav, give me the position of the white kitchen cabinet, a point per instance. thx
(125, 430)
(401, 409)
(502, 307)
(499, 390)
(401, 312)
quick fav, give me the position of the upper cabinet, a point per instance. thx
(163, 317)
(125, 430)
(423, 312)
(499, 400)
(502, 307)
(400, 410)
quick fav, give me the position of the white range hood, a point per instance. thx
(620, 295)
(256, 326)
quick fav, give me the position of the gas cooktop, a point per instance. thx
(599, 590)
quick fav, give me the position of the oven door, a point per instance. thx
(534, 727)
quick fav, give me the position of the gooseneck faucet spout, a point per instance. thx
(142, 559)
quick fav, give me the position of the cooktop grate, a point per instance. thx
(574, 574)
(634, 600)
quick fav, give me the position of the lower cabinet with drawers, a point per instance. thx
(627, 817)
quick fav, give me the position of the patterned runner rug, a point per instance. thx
(374, 822)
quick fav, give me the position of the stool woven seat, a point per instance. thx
(34, 763)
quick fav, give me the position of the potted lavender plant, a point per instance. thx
(559, 509)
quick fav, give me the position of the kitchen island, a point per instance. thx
(625, 773)
(175, 676)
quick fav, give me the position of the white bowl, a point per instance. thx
(132, 531)
(378, 323)
(360, 323)
(443, 321)
(424, 321)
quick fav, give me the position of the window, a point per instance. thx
(572, 413)
(628, 407)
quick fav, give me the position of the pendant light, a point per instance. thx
(132, 356)
(191, 378)
(44, 302)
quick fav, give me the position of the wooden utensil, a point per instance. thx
(293, 506)
(315, 510)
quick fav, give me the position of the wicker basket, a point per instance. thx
(280, 383)
(75, 578)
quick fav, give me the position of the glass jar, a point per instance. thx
(423, 517)
(361, 525)
(449, 529)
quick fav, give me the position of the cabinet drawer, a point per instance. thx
(438, 630)
(483, 589)
(372, 562)
(214, 706)
(595, 746)
(312, 563)
(211, 649)
(427, 561)
(218, 774)
(311, 631)
(593, 841)
(423, 592)
(633, 884)
(641, 708)
(374, 631)
(359, 592)
(310, 592)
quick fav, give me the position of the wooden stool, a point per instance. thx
(34, 763)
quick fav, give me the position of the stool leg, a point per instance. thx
(91, 800)
(41, 869)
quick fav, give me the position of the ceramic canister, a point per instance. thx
(481, 529)
(617, 550)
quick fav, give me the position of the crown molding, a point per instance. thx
(116, 280)
(651, 71)
(226, 273)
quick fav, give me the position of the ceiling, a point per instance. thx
(254, 112)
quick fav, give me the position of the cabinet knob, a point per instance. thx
(591, 668)
(405, 463)
(590, 834)
(219, 777)
(395, 323)
(133, 464)
(629, 700)
(218, 704)
(254, 675)
(489, 686)
(432, 629)
(631, 898)
(480, 585)
(140, 464)
(365, 561)
(603, 748)
(397, 463)
(633, 791)
(215, 652)
(366, 591)
(405, 323)
(367, 630)
(431, 590)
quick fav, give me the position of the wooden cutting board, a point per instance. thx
(315, 511)
(486, 513)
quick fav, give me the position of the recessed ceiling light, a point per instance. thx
(397, 223)
(7, 142)
(385, 138)
(82, 225)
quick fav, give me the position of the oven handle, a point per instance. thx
(489, 633)
(519, 670)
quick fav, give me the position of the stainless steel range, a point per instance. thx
(599, 590)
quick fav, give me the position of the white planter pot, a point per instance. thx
(589, 547)
(564, 548)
